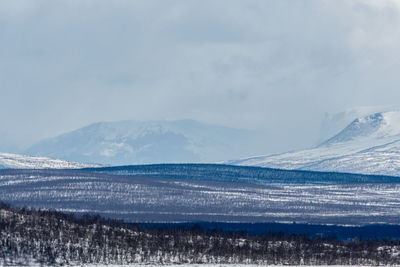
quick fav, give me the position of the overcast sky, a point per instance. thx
(271, 65)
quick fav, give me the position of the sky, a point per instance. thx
(276, 66)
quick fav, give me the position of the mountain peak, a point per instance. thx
(375, 126)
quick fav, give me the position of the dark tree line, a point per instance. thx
(53, 238)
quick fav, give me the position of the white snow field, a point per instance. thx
(369, 145)
(15, 161)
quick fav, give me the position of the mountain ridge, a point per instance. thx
(136, 142)
(368, 145)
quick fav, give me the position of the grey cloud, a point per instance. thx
(273, 65)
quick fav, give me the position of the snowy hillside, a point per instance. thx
(133, 142)
(369, 145)
(15, 161)
(32, 237)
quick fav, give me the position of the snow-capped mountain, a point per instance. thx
(332, 124)
(134, 142)
(15, 161)
(369, 145)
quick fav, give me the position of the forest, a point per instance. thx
(49, 237)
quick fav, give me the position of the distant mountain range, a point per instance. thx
(134, 142)
(14, 161)
(369, 145)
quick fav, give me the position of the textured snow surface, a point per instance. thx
(16, 161)
(369, 145)
(222, 265)
(195, 265)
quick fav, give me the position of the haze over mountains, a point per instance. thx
(135, 142)
(369, 145)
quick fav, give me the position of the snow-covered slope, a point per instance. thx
(369, 145)
(15, 161)
(133, 142)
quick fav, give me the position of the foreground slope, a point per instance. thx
(15, 161)
(369, 145)
(135, 142)
(47, 238)
(184, 192)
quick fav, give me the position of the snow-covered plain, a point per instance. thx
(16, 161)
(147, 198)
(369, 145)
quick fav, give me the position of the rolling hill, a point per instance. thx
(204, 192)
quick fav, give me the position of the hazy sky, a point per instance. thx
(274, 65)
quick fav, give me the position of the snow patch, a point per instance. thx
(15, 161)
